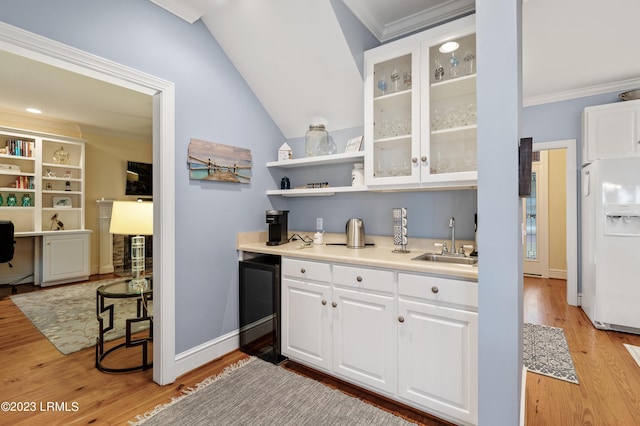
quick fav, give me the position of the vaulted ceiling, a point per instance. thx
(297, 56)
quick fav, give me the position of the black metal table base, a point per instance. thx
(142, 315)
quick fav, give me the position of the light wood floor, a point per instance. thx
(609, 389)
(33, 371)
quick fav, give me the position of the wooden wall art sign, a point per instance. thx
(214, 161)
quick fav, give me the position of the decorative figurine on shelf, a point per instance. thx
(56, 225)
(61, 156)
(26, 200)
(285, 152)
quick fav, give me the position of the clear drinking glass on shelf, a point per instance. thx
(438, 72)
(395, 80)
(407, 80)
(469, 62)
(382, 86)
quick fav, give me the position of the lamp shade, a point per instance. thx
(132, 218)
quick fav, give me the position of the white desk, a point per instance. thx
(59, 256)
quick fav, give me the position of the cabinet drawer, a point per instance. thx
(363, 278)
(307, 270)
(444, 290)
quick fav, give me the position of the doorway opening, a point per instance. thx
(35, 47)
(547, 218)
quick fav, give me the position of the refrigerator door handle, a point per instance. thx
(586, 184)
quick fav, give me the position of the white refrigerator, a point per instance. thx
(611, 243)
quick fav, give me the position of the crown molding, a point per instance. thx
(181, 9)
(438, 14)
(599, 89)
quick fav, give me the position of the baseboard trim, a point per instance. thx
(206, 352)
(523, 396)
(558, 274)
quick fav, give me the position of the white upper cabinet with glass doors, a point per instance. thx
(420, 110)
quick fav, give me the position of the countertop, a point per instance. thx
(379, 255)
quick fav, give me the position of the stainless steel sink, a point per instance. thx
(435, 257)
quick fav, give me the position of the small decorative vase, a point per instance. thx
(26, 200)
(12, 201)
(1, 200)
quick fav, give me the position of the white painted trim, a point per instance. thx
(599, 89)
(523, 396)
(206, 352)
(180, 8)
(558, 274)
(572, 212)
(33, 46)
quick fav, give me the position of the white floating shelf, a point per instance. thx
(346, 157)
(316, 192)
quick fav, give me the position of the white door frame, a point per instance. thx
(35, 47)
(572, 212)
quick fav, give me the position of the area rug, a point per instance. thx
(545, 351)
(634, 351)
(255, 392)
(66, 315)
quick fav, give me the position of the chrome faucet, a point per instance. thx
(452, 225)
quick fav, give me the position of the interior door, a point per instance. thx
(535, 211)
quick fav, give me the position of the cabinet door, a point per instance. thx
(65, 258)
(449, 132)
(364, 339)
(438, 359)
(392, 118)
(306, 322)
(611, 131)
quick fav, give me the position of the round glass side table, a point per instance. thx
(105, 308)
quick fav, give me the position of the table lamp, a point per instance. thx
(134, 218)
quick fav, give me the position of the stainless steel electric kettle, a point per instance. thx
(355, 233)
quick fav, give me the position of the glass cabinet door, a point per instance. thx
(450, 129)
(393, 121)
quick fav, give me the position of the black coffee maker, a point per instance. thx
(278, 232)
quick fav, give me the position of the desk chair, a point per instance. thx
(7, 244)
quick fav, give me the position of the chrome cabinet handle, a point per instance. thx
(359, 278)
(302, 270)
(424, 158)
(414, 160)
(324, 302)
(334, 304)
(401, 319)
(435, 289)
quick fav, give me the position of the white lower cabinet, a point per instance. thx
(364, 338)
(410, 337)
(438, 346)
(306, 322)
(65, 257)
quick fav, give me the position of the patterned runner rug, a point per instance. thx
(66, 315)
(545, 351)
(255, 392)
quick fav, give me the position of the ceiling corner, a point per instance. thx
(180, 8)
